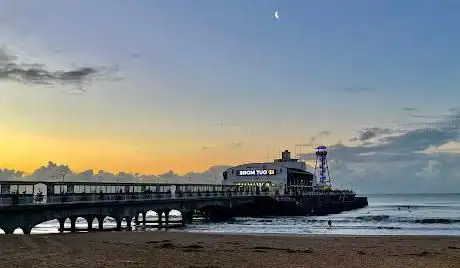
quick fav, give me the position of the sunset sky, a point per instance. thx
(187, 85)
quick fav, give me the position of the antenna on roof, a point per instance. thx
(299, 151)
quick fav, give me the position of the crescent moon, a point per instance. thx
(276, 15)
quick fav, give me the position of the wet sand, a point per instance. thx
(179, 249)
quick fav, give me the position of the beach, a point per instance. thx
(182, 249)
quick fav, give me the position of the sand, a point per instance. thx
(180, 249)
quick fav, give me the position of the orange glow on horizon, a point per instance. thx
(26, 152)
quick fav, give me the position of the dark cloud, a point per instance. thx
(314, 138)
(38, 74)
(409, 109)
(359, 89)
(398, 163)
(370, 133)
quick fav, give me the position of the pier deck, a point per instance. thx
(25, 204)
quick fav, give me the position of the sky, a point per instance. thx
(173, 88)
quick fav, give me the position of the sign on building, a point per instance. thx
(256, 172)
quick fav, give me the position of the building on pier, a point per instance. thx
(282, 175)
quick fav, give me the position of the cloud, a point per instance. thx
(409, 109)
(400, 162)
(10, 173)
(56, 172)
(14, 69)
(238, 144)
(359, 89)
(313, 139)
(370, 133)
(426, 117)
(423, 159)
(222, 124)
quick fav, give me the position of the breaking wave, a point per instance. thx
(388, 218)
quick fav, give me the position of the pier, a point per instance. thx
(25, 204)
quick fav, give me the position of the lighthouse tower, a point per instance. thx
(321, 167)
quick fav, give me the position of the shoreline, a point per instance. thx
(185, 230)
(316, 234)
(187, 249)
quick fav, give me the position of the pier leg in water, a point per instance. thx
(187, 217)
(61, 225)
(26, 229)
(144, 218)
(160, 216)
(90, 219)
(72, 224)
(118, 220)
(128, 222)
(100, 221)
(166, 217)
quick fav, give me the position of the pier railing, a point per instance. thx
(15, 193)
(10, 200)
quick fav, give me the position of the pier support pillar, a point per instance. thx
(160, 217)
(100, 221)
(166, 223)
(118, 220)
(26, 229)
(144, 218)
(187, 217)
(136, 219)
(72, 224)
(128, 222)
(90, 219)
(61, 225)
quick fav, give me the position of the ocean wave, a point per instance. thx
(359, 219)
(449, 206)
(388, 218)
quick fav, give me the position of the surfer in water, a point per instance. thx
(329, 222)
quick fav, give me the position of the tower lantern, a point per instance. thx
(321, 167)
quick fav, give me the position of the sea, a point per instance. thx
(387, 214)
